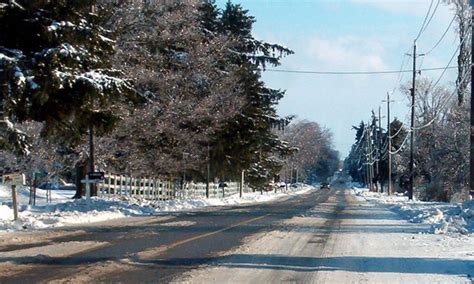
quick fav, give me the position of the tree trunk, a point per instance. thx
(81, 171)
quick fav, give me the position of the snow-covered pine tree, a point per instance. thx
(209, 14)
(354, 163)
(54, 69)
(247, 142)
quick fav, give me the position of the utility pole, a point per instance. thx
(412, 125)
(471, 156)
(369, 157)
(379, 152)
(389, 149)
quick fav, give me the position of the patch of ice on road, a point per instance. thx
(63, 210)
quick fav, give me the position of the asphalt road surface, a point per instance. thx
(156, 249)
(324, 236)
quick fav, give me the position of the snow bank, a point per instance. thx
(444, 217)
(63, 211)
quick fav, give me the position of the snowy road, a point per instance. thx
(323, 236)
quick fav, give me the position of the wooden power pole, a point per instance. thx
(379, 152)
(367, 155)
(412, 125)
(389, 149)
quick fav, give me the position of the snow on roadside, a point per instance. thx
(444, 217)
(63, 211)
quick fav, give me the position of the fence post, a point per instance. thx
(115, 184)
(160, 189)
(170, 190)
(164, 190)
(136, 188)
(108, 183)
(147, 184)
(139, 185)
(120, 184)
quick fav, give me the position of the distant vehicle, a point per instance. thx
(57, 186)
(325, 185)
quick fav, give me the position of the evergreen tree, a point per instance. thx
(236, 21)
(354, 164)
(209, 14)
(54, 69)
(246, 142)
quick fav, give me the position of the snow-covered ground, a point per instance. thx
(63, 211)
(443, 217)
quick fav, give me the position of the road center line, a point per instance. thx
(152, 252)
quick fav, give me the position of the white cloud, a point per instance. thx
(346, 53)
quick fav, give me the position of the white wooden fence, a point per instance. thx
(198, 190)
(156, 189)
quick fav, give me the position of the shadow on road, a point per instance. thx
(348, 263)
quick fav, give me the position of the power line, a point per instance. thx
(447, 66)
(450, 60)
(396, 134)
(402, 66)
(432, 14)
(443, 104)
(355, 72)
(442, 37)
(401, 146)
(424, 21)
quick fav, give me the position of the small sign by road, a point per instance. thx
(96, 175)
(17, 179)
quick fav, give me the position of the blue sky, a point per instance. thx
(350, 35)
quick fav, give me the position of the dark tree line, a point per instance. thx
(168, 86)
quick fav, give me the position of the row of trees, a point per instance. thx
(368, 158)
(441, 153)
(315, 159)
(164, 86)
